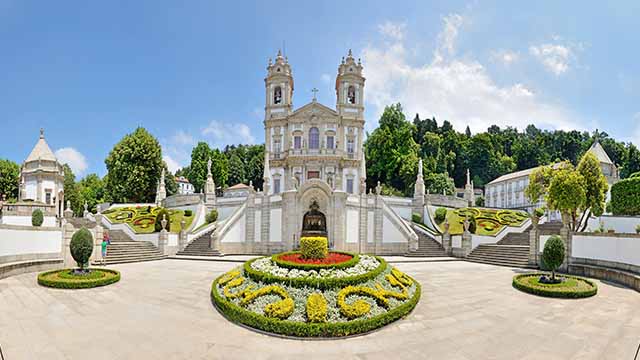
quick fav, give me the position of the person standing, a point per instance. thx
(105, 241)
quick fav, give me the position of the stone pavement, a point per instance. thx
(162, 310)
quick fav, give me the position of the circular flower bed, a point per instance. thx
(325, 302)
(72, 279)
(334, 259)
(571, 287)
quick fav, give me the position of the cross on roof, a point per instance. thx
(314, 91)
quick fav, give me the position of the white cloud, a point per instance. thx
(635, 138)
(461, 91)
(326, 78)
(394, 31)
(227, 133)
(72, 157)
(555, 58)
(171, 164)
(505, 57)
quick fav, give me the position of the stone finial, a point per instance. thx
(466, 224)
(350, 54)
(41, 133)
(68, 205)
(163, 222)
(446, 225)
(378, 188)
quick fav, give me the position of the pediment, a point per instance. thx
(314, 108)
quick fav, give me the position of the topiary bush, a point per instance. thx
(314, 247)
(625, 197)
(553, 255)
(212, 216)
(37, 217)
(416, 218)
(81, 247)
(473, 226)
(441, 214)
(539, 212)
(161, 212)
(188, 213)
(638, 229)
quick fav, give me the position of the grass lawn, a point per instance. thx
(142, 218)
(489, 221)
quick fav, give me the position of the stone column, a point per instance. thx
(182, 236)
(466, 239)
(265, 223)
(97, 240)
(68, 213)
(446, 239)
(163, 237)
(377, 222)
(215, 241)
(565, 235)
(67, 234)
(363, 226)
(534, 241)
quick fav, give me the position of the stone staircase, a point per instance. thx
(501, 255)
(200, 246)
(125, 250)
(521, 239)
(427, 247)
(82, 222)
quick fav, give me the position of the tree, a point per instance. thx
(567, 193)
(236, 170)
(255, 165)
(595, 188)
(71, 193)
(81, 247)
(539, 181)
(92, 191)
(632, 162)
(200, 155)
(553, 255)
(133, 167)
(9, 179)
(439, 184)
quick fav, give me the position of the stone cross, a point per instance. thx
(315, 92)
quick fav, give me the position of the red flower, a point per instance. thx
(332, 258)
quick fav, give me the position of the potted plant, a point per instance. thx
(638, 229)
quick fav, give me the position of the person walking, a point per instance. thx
(106, 240)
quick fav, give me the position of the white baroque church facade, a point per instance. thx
(314, 177)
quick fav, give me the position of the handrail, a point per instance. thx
(235, 216)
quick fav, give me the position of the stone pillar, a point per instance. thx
(68, 213)
(265, 223)
(163, 237)
(182, 236)
(377, 222)
(446, 239)
(466, 239)
(97, 241)
(67, 234)
(565, 235)
(215, 241)
(534, 242)
(250, 218)
(363, 226)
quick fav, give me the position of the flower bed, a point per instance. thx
(572, 287)
(334, 259)
(489, 221)
(315, 305)
(142, 219)
(67, 279)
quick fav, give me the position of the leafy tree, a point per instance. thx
(553, 254)
(255, 165)
(439, 183)
(567, 193)
(9, 179)
(236, 170)
(91, 189)
(71, 193)
(170, 183)
(539, 181)
(632, 162)
(198, 169)
(595, 188)
(134, 166)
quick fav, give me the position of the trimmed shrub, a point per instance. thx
(473, 226)
(625, 197)
(314, 247)
(66, 279)
(441, 214)
(416, 218)
(188, 213)
(574, 287)
(553, 254)
(81, 247)
(316, 308)
(37, 217)
(539, 212)
(212, 216)
(161, 212)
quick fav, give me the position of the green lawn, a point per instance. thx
(142, 218)
(489, 221)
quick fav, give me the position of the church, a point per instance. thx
(315, 176)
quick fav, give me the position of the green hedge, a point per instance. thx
(318, 283)
(63, 279)
(293, 265)
(625, 197)
(237, 314)
(549, 291)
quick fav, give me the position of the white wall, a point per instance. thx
(391, 234)
(621, 224)
(353, 226)
(257, 230)
(49, 221)
(370, 226)
(456, 241)
(236, 232)
(621, 249)
(275, 225)
(28, 241)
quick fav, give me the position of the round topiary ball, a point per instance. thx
(441, 214)
(81, 247)
(37, 217)
(161, 212)
(553, 253)
(212, 216)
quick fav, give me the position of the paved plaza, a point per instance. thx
(162, 310)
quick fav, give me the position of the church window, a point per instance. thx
(351, 95)
(277, 148)
(276, 186)
(330, 142)
(277, 95)
(350, 186)
(314, 138)
(350, 146)
(48, 197)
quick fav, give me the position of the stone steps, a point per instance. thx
(200, 247)
(502, 255)
(427, 247)
(123, 249)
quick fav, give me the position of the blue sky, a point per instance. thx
(90, 72)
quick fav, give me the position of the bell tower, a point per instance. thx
(278, 88)
(350, 88)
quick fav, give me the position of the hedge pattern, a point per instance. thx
(318, 283)
(625, 197)
(293, 265)
(63, 279)
(237, 314)
(568, 292)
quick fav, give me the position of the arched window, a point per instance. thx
(277, 95)
(351, 94)
(314, 138)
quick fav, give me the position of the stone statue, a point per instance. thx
(209, 167)
(466, 224)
